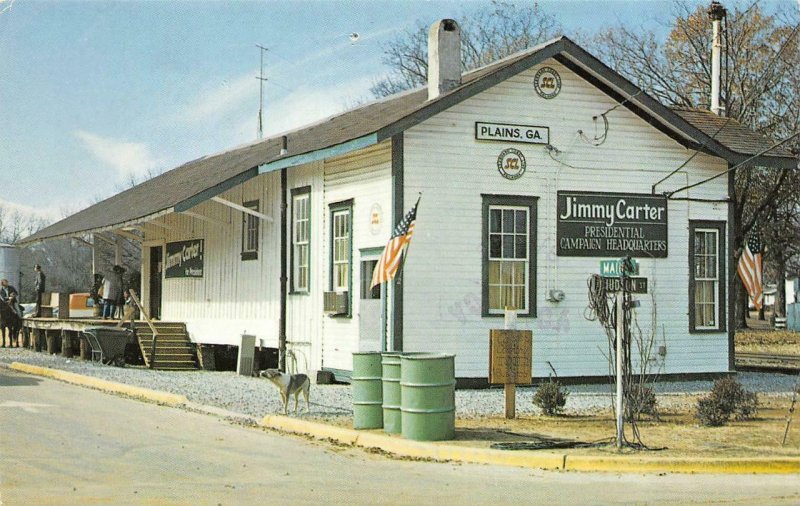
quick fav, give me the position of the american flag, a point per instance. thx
(749, 269)
(395, 248)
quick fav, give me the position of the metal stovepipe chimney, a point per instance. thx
(717, 13)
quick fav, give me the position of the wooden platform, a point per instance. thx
(173, 351)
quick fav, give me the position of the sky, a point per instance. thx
(94, 93)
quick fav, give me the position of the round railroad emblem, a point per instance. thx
(375, 219)
(547, 83)
(511, 163)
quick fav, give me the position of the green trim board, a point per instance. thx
(371, 252)
(320, 154)
(732, 274)
(215, 190)
(398, 196)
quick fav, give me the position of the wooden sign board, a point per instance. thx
(510, 356)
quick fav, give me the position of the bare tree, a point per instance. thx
(759, 89)
(15, 225)
(782, 235)
(488, 34)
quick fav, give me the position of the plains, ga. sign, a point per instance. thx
(184, 259)
(507, 132)
(611, 224)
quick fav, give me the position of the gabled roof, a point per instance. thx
(731, 133)
(194, 182)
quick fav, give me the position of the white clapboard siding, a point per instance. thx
(442, 295)
(304, 311)
(233, 296)
(364, 177)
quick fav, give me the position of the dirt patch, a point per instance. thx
(783, 342)
(676, 435)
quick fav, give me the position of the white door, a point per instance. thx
(370, 319)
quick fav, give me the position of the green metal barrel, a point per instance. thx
(427, 390)
(390, 363)
(367, 391)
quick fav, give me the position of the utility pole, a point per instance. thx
(620, 331)
(261, 80)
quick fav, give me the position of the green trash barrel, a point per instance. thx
(367, 391)
(427, 390)
(390, 363)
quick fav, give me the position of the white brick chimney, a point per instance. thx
(444, 57)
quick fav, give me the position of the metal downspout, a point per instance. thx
(284, 276)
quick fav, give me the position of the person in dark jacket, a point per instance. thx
(6, 290)
(39, 282)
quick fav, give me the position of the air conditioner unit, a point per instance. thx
(335, 303)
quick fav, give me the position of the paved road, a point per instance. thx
(61, 444)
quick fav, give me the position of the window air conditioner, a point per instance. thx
(335, 303)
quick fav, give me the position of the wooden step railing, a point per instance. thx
(149, 324)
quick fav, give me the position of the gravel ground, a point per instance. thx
(256, 398)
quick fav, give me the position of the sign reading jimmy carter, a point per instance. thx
(184, 259)
(611, 224)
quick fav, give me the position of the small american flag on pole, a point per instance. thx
(395, 248)
(749, 269)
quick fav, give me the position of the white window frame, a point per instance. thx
(341, 248)
(301, 239)
(715, 280)
(525, 263)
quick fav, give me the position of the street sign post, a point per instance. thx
(613, 268)
(631, 285)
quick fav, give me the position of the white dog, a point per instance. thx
(289, 384)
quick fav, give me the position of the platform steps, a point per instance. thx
(174, 350)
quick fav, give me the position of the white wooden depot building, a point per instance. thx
(532, 170)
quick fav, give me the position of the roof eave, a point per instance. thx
(433, 107)
(34, 239)
(694, 137)
(775, 162)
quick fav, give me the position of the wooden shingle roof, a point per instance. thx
(193, 182)
(730, 133)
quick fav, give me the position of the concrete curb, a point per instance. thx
(443, 451)
(529, 459)
(100, 384)
(413, 449)
(754, 465)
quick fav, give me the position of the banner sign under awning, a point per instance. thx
(184, 259)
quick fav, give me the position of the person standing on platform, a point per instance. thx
(111, 292)
(39, 285)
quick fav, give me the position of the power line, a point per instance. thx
(744, 105)
(696, 152)
(704, 181)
